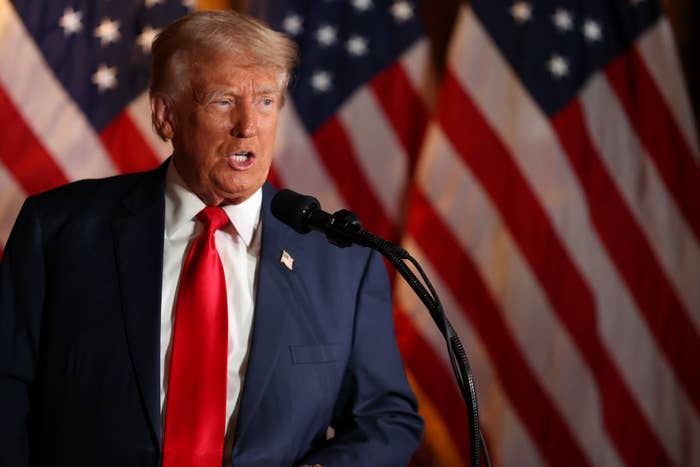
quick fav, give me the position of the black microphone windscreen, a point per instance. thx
(293, 209)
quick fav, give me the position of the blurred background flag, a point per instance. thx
(553, 193)
(73, 93)
(556, 202)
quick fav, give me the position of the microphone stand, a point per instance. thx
(343, 229)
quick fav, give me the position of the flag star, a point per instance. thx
(402, 11)
(152, 3)
(521, 12)
(108, 32)
(321, 81)
(105, 77)
(293, 24)
(558, 66)
(563, 20)
(326, 35)
(362, 5)
(146, 37)
(592, 31)
(357, 46)
(71, 21)
(189, 4)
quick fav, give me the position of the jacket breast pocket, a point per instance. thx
(305, 354)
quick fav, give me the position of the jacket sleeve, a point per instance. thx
(376, 421)
(21, 298)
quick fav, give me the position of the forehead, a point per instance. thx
(211, 69)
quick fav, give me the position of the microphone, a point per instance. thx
(303, 213)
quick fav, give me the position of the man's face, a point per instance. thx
(224, 126)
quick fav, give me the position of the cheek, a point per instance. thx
(268, 128)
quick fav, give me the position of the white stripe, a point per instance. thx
(508, 437)
(460, 201)
(526, 133)
(11, 199)
(44, 104)
(139, 110)
(658, 51)
(644, 191)
(381, 156)
(298, 165)
(418, 67)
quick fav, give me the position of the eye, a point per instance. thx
(267, 101)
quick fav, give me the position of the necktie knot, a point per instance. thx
(213, 218)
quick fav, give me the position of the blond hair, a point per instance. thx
(226, 32)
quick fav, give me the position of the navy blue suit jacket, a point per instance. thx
(80, 292)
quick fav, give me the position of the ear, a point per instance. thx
(163, 116)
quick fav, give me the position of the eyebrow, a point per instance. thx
(232, 92)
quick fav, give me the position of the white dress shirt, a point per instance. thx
(238, 245)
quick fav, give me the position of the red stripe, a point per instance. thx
(403, 107)
(437, 383)
(23, 153)
(549, 431)
(664, 313)
(568, 292)
(335, 150)
(655, 126)
(127, 147)
(274, 178)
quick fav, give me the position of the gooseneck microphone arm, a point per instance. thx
(303, 214)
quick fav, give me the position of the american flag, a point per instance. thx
(73, 93)
(356, 118)
(553, 198)
(556, 202)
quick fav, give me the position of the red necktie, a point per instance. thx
(195, 408)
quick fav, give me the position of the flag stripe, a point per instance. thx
(666, 232)
(23, 154)
(565, 288)
(438, 436)
(127, 146)
(514, 288)
(403, 107)
(501, 426)
(45, 106)
(297, 163)
(526, 132)
(673, 333)
(335, 149)
(416, 63)
(549, 431)
(371, 135)
(648, 113)
(658, 52)
(434, 380)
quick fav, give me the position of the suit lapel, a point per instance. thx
(278, 289)
(138, 243)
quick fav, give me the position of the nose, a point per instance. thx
(245, 122)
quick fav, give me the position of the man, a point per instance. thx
(114, 349)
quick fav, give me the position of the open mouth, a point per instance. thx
(242, 156)
(241, 160)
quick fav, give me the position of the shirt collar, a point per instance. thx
(181, 207)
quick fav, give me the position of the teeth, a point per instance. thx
(241, 156)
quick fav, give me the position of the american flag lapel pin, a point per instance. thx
(287, 260)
